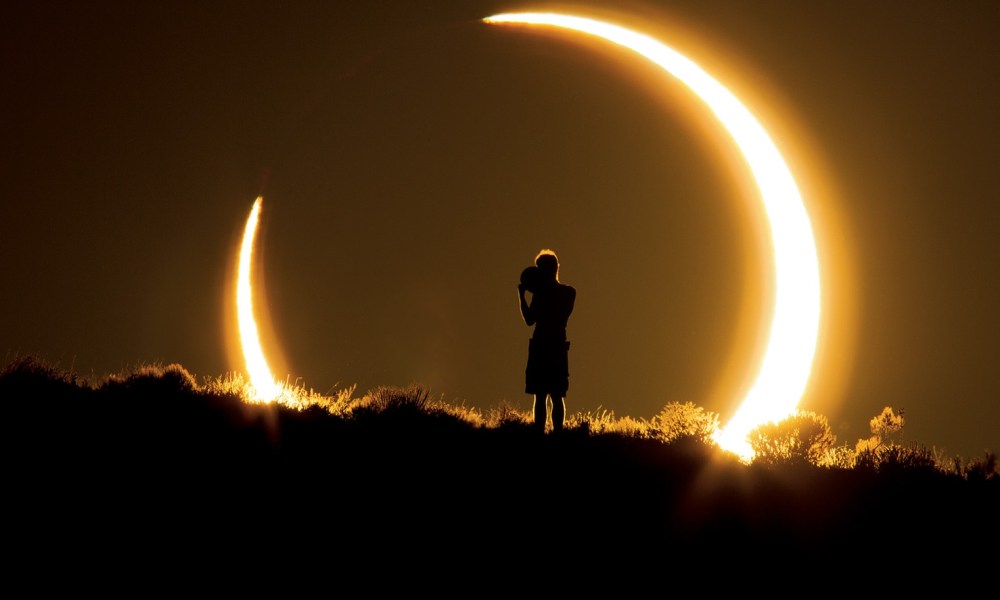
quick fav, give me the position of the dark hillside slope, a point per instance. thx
(149, 462)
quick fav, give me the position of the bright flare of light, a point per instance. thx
(263, 387)
(787, 362)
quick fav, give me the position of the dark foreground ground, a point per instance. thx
(151, 479)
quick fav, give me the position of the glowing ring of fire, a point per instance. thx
(791, 347)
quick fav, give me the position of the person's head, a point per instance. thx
(548, 263)
(530, 278)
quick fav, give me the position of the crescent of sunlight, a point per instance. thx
(791, 346)
(263, 387)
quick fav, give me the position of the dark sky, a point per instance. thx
(413, 160)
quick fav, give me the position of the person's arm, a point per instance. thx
(526, 312)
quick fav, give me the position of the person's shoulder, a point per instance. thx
(568, 289)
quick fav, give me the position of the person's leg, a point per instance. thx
(540, 412)
(558, 412)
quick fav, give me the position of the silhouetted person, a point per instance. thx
(547, 373)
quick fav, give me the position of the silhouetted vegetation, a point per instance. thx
(155, 456)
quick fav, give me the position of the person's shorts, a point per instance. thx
(547, 371)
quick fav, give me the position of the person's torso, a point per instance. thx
(552, 308)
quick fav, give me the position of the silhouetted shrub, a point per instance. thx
(411, 411)
(606, 422)
(676, 420)
(803, 438)
(391, 400)
(839, 457)
(505, 415)
(895, 458)
(985, 469)
(155, 379)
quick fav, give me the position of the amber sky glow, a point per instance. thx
(413, 159)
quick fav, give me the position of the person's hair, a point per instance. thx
(548, 262)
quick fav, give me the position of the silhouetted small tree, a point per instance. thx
(888, 425)
(884, 445)
(803, 438)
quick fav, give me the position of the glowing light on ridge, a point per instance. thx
(263, 387)
(791, 346)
